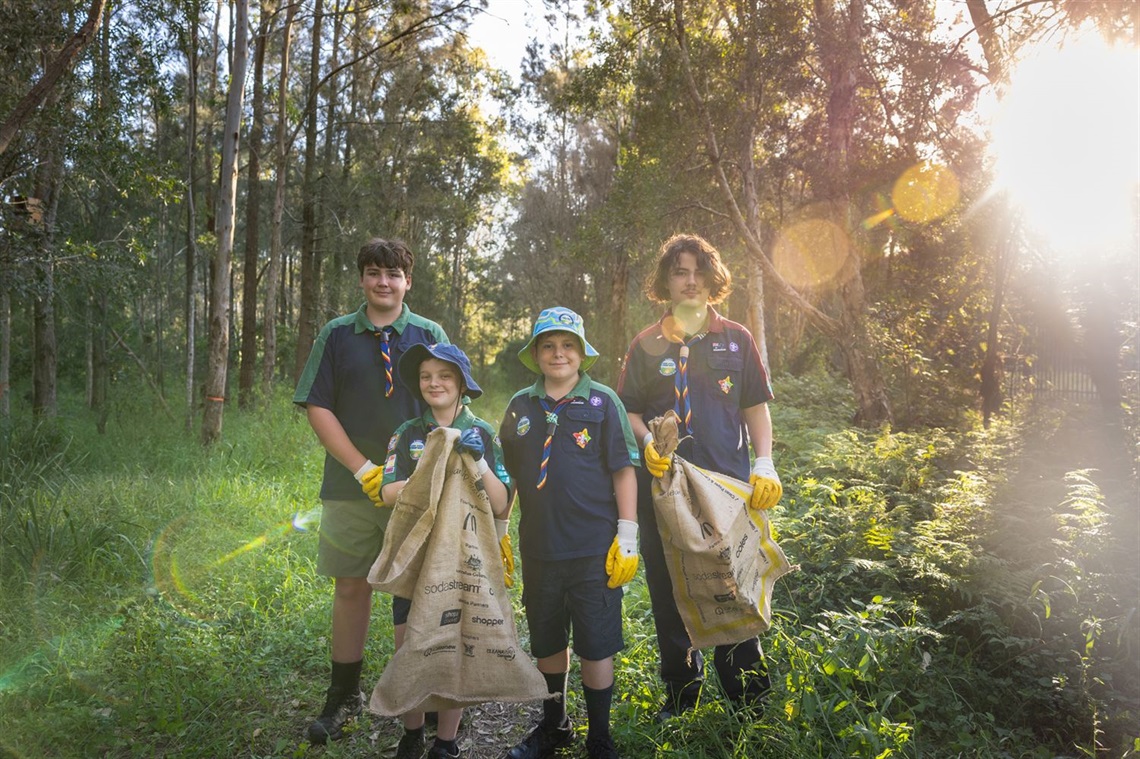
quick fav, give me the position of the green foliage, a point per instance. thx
(947, 602)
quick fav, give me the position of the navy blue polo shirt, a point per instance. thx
(345, 374)
(407, 445)
(725, 375)
(575, 514)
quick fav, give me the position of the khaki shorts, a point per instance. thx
(351, 535)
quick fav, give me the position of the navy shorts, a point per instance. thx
(560, 595)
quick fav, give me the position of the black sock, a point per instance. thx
(451, 746)
(598, 710)
(554, 709)
(346, 675)
(416, 732)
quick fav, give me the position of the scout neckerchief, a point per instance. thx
(386, 356)
(551, 426)
(681, 403)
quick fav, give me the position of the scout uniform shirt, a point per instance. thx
(346, 374)
(407, 445)
(574, 514)
(724, 376)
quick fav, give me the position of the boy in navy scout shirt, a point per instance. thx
(440, 375)
(569, 448)
(706, 369)
(354, 402)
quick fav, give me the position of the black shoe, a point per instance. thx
(601, 748)
(439, 752)
(340, 708)
(675, 706)
(542, 742)
(411, 745)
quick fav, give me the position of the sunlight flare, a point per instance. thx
(1065, 139)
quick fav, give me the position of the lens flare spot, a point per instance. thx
(811, 252)
(303, 522)
(925, 192)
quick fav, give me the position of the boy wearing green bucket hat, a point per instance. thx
(570, 450)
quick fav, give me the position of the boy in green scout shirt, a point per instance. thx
(354, 402)
(440, 375)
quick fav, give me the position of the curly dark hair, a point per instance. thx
(708, 261)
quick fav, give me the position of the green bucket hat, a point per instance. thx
(558, 319)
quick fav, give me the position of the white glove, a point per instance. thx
(363, 470)
(621, 561)
(370, 476)
(627, 537)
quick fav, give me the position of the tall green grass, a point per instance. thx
(160, 599)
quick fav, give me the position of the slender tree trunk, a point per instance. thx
(253, 217)
(220, 302)
(45, 360)
(307, 318)
(273, 269)
(42, 89)
(1006, 252)
(99, 361)
(191, 315)
(5, 350)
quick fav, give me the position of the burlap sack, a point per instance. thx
(440, 550)
(722, 565)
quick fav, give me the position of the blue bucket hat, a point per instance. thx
(409, 366)
(558, 319)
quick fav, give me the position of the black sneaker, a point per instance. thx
(601, 748)
(411, 745)
(340, 708)
(676, 705)
(542, 742)
(439, 752)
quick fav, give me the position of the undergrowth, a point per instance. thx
(958, 593)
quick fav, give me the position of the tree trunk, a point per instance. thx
(56, 69)
(1006, 252)
(46, 357)
(307, 317)
(220, 286)
(99, 361)
(839, 41)
(191, 315)
(273, 268)
(5, 350)
(249, 283)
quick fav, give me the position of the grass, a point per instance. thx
(158, 599)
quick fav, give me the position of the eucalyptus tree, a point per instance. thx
(227, 213)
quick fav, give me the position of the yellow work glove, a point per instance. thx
(621, 562)
(766, 487)
(369, 476)
(657, 464)
(505, 551)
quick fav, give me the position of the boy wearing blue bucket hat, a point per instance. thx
(439, 375)
(571, 453)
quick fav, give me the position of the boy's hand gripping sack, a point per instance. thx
(441, 551)
(722, 560)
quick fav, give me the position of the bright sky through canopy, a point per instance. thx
(1066, 138)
